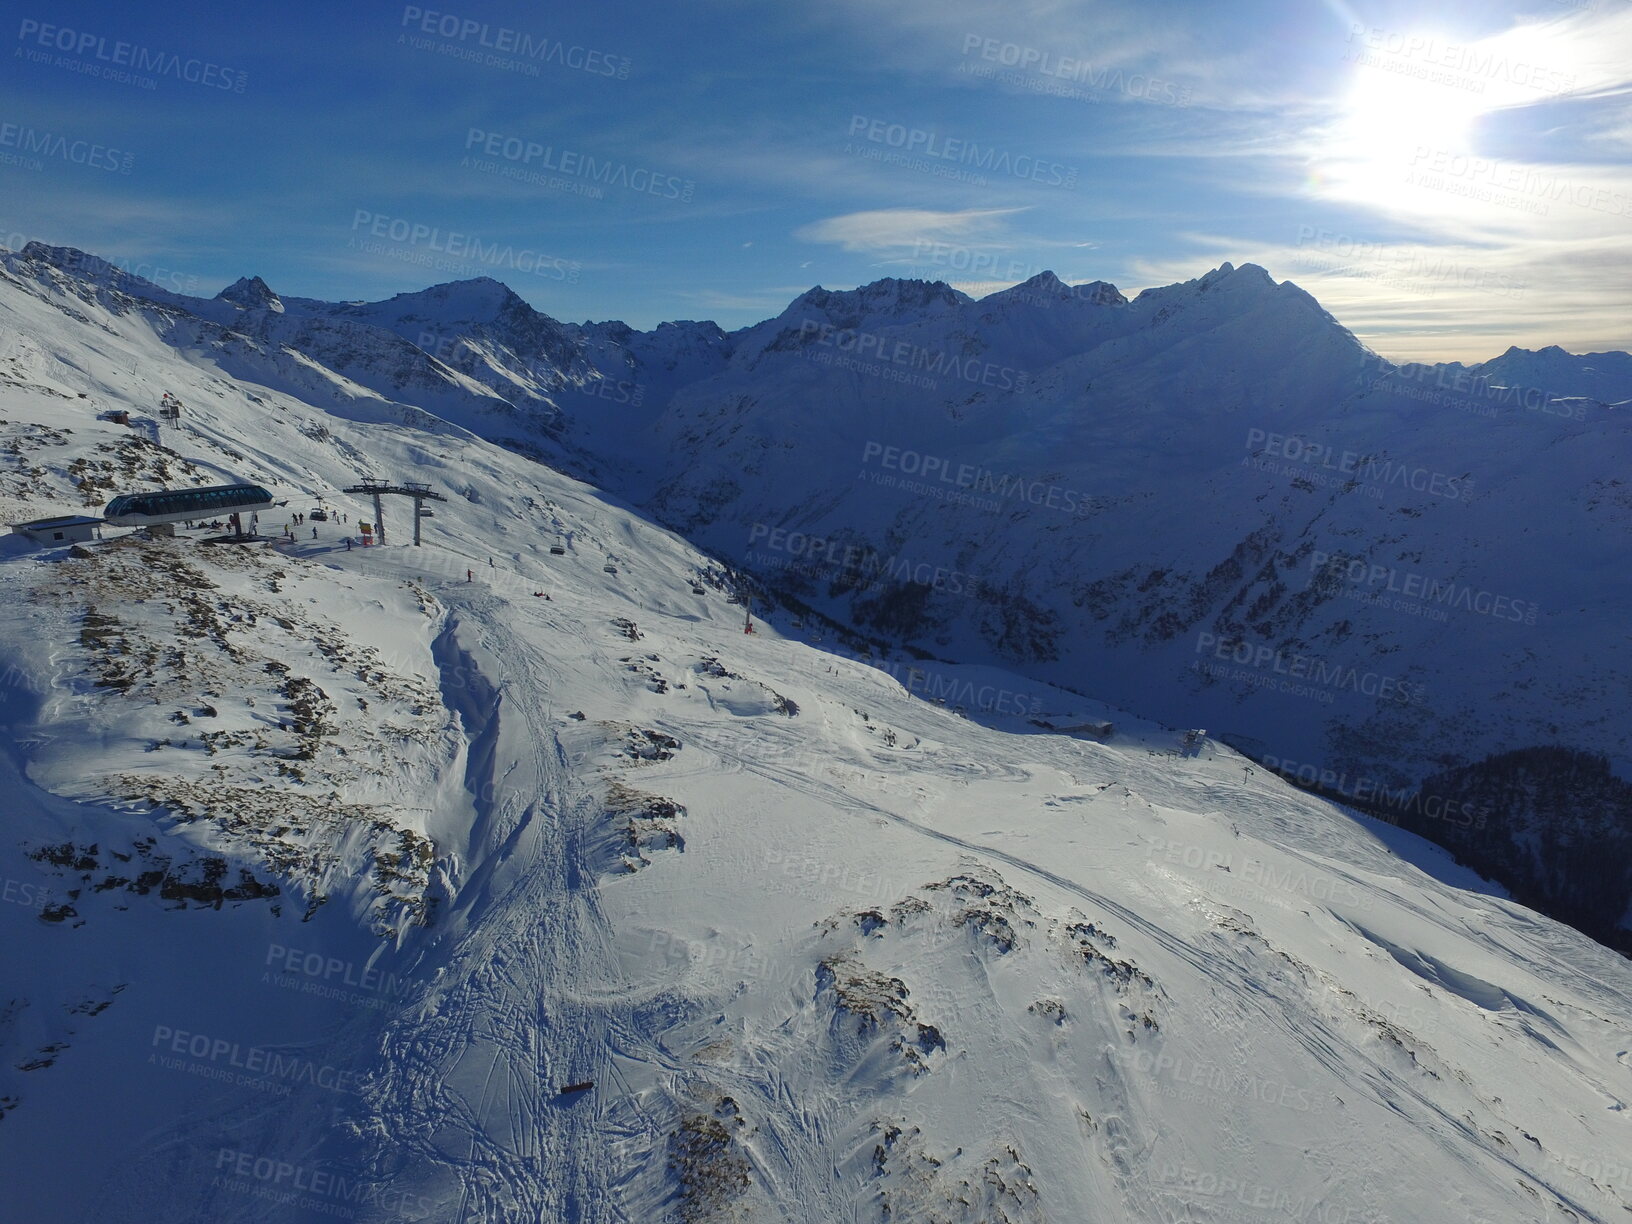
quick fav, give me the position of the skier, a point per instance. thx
(348, 543)
(469, 577)
(314, 533)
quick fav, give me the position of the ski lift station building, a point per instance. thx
(68, 529)
(176, 505)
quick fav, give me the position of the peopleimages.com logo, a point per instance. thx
(948, 690)
(1380, 472)
(1454, 385)
(330, 977)
(1263, 1201)
(97, 55)
(1416, 593)
(934, 146)
(1247, 874)
(836, 561)
(1045, 71)
(429, 244)
(876, 347)
(34, 145)
(503, 47)
(1194, 1080)
(529, 155)
(1005, 488)
(1379, 796)
(1511, 184)
(253, 1066)
(322, 1191)
(1293, 672)
(1466, 65)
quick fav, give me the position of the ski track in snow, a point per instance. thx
(512, 1049)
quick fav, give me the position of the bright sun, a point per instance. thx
(1388, 118)
(1386, 122)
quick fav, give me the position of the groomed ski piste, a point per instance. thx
(327, 870)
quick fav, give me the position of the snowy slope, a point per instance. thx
(826, 950)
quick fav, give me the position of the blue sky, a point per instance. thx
(1448, 179)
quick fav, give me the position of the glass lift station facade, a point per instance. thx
(175, 505)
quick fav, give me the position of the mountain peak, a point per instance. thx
(1101, 292)
(888, 293)
(251, 293)
(1048, 285)
(1045, 281)
(1246, 274)
(479, 299)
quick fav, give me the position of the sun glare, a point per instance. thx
(1386, 122)
(1386, 119)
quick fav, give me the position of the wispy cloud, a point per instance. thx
(760, 303)
(935, 36)
(1583, 54)
(888, 229)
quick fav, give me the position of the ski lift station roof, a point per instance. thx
(174, 505)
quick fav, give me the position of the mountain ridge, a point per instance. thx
(69, 258)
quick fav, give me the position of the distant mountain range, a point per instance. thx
(1209, 503)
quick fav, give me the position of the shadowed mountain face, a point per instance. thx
(1209, 503)
(1554, 822)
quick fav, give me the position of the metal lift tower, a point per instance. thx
(421, 493)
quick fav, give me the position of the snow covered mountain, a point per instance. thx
(329, 872)
(1210, 504)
